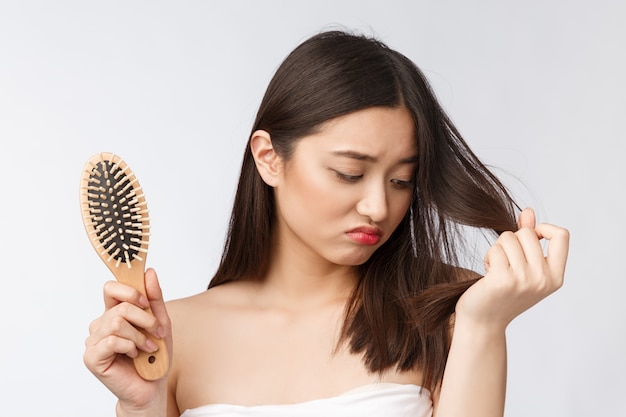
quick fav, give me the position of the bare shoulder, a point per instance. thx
(219, 299)
(202, 327)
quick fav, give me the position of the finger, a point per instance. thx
(496, 258)
(103, 353)
(526, 218)
(116, 293)
(122, 328)
(513, 250)
(558, 246)
(126, 332)
(124, 320)
(531, 246)
(157, 303)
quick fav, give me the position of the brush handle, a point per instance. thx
(149, 366)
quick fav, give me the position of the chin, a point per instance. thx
(355, 259)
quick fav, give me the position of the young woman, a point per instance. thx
(339, 291)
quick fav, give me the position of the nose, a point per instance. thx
(373, 204)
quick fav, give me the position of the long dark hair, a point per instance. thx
(399, 313)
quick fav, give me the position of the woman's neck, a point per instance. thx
(297, 276)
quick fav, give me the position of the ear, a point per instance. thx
(268, 162)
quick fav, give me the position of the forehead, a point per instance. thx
(380, 132)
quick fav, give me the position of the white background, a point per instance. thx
(537, 88)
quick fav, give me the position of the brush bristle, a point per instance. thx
(116, 211)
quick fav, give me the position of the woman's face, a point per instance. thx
(346, 188)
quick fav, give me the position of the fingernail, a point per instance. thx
(151, 346)
(160, 332)
(144, 301)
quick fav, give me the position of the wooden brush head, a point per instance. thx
(115, 212)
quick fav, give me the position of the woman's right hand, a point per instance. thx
(114, 340)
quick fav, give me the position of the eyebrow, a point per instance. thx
(368, 158)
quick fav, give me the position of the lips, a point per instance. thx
(365, 235)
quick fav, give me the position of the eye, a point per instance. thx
(403, 185)
(348, 177)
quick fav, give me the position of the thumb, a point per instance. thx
(164, 330)
(157, 303)
(526, 218)
(153, 289)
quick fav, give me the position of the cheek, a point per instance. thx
(398, 208)
(310, 192)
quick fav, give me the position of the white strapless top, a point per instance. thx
(383, 399)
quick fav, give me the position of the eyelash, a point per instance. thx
(398, 184)
(403, 185)
(347, 177)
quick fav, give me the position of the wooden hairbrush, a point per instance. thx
(115, 215)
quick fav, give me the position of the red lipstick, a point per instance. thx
(365, 235)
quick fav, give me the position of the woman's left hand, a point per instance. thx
(518, 273)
